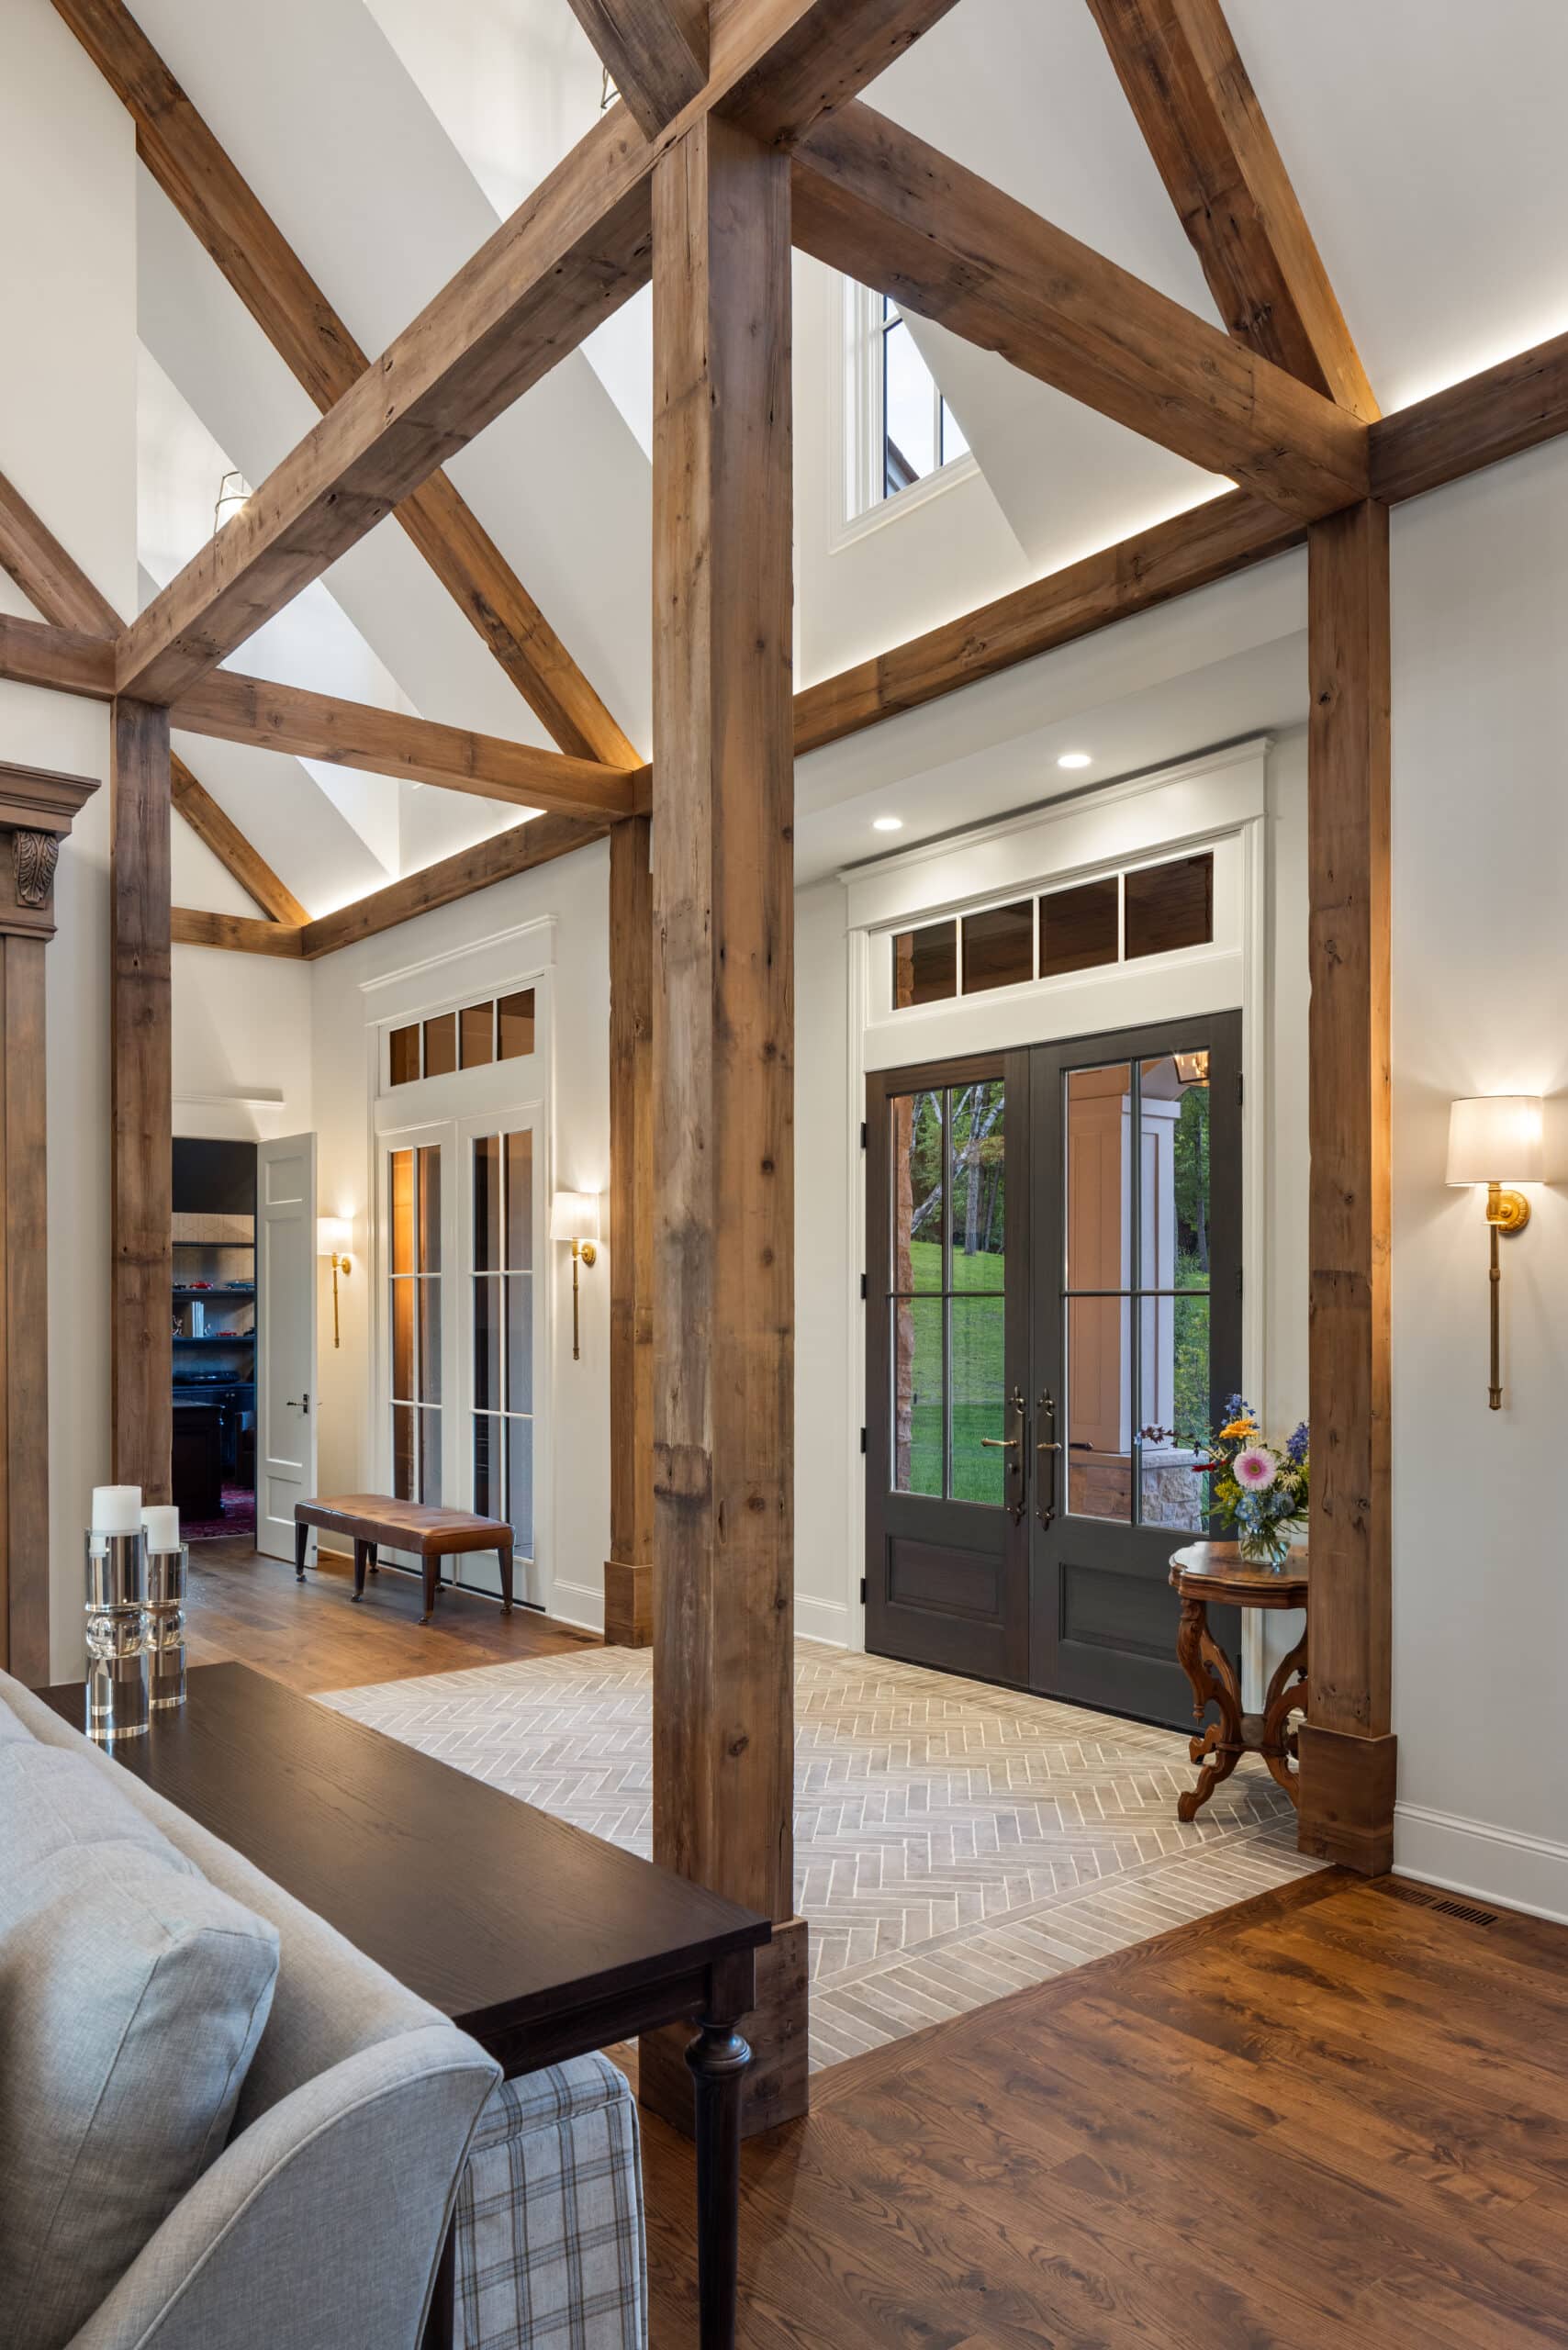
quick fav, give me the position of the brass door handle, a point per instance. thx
(1014, 1444)
(1048, 1502)
(1001, 1443)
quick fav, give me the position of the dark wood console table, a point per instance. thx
(1217, 1572)
(540, 1939)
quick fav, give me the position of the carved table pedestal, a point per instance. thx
(1217, 1571)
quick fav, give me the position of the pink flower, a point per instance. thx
(1255, 1469)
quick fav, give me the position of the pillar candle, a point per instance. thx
(116, 1509)
(163, 1524)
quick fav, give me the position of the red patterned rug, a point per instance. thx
(239, 1517)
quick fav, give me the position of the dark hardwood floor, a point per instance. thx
(313, 1636)
(1337, 2114)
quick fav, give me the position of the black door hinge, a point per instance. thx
(1240, 1089)
(864, 1134)
(864, 1290)
(862, 1591)
(1239, 1281)
(862, 1440)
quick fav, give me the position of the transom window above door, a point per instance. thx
(471, 1035)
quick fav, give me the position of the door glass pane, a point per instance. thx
(476, 1034)
(403, 1339)
(430, 1458)
(430, 1339)
(489, 1499)
(999, 947)
(1079, 927)
(917, 1147)
(1174, 1372)
(403, 1451)
(487, 1343)
(925, 964)
(403, 1054)
(487, 1203)
(1168, 906)
(402, 1182)
(1099, 1455)
(978, 1184)
(429, 1209)
(917, 1395)
(1175, 1091)
(519, 1342)
(519, 1481)
(979, 1471)
(514, 1022)
(519, 1202)
(441, 1045)
(1099, 1178)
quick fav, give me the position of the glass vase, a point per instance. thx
(1270, 1546)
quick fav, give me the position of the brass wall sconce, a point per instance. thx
(574, 1216)
(333, 1234)
(1495, 1140)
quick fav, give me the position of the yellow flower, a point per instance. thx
(1243, 1427)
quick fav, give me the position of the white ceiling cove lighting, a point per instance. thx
(887, 824)
(1075, 760)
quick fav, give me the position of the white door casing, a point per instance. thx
(286, 1294)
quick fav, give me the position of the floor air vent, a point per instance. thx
(1468, 1911)
(1398, 1889)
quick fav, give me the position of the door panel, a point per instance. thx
(286, 1292)
(946, 1553)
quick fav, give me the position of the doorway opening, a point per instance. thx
(213, 1463)
(1054, 1327)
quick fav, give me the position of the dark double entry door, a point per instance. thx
(1053, 1326)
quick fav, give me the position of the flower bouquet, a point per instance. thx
(1256, 1496)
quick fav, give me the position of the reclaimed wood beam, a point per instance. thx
(240, 709)
(781, 65)
(724, 1020)
(1346, 1750)
(517, 850)
(62, 660)
(887, 208)
(1198, 113)
(141, 1102)
(629, 1570)
(195, 173)
(1190, 551)
(1501, 412)
(241, 933)
(655, 53)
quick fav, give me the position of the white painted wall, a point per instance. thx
(1480, 1006)
(68, 441)
(432, 960)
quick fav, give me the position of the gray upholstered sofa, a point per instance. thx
(363, 2120)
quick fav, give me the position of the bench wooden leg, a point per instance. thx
(301, 1542)
(361, 1551)
(371, 1557)
(506, 1551)
(433, 1577)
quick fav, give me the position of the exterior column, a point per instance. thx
(629, 1570)
(1346, 1746)
(141, 1409)
(37, 811)
(723, 1109)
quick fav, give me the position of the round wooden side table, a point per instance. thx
(1217, 1572)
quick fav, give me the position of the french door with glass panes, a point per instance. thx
(1054, 1325)
(460, 1373)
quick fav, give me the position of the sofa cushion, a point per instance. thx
(132, 1995)
(50, 1799)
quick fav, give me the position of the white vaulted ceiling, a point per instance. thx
(387, 137)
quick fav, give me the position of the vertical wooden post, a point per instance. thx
(141, 1394)
(36, 810)
(629, 1570)
(1347, 1749)
(723, 1207)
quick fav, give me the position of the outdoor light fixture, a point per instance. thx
(574, 1216)
(232, 498)
(333, 1235)
(1193, 1068)
(1496, 1139)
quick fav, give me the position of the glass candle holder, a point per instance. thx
(168, 1575)
(119, 1677)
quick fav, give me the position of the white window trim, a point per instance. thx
(860, 506)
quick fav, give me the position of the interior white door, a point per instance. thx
(286, 1293)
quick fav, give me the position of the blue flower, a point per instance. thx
(1295, 1450)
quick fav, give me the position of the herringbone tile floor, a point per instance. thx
(953, 1842)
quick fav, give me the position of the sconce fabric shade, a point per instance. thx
(574, 1216)
(1496, 1138)
(333, 1235)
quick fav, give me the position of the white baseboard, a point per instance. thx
(1469, 1856)
(821, 1620)
(581, 1603)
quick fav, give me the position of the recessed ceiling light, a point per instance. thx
(1075, 760)
(887, 824)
